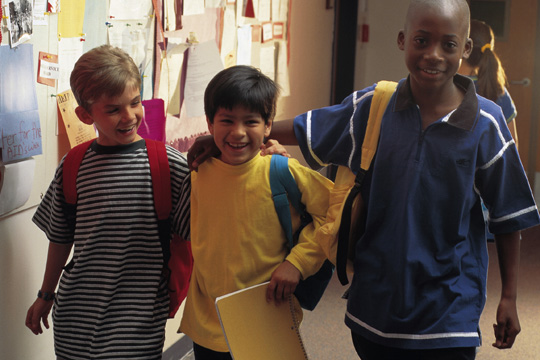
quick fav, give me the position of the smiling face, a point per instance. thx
(435, 40)
(116, 118)
(238, 133)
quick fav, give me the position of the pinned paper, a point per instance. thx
(70, 19)
(48, 69)
(77, 131)
(204, 62)
(248, 10)
(16, 181)
(20, 129)
(267, 32)
(278, 30)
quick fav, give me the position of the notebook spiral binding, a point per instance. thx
(297, 323)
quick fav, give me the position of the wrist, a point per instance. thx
(45, 295)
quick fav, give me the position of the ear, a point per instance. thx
(210, 126)
(401, 40)
(268, 128)
(468, 48)
(84, 115)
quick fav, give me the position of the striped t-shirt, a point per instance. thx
(113, 303)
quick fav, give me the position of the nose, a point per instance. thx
(238, 130)
(128, 113)
(434, 53)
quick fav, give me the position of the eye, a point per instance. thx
(420, 41)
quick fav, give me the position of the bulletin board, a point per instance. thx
(178, 45)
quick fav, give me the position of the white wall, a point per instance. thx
(380, 58)
(23, 248)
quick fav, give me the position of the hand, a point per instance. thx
(203, 148)
(38, 312)
(273, 147)
(282, 283)
(507, 327)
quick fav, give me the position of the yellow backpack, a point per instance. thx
(346, 213)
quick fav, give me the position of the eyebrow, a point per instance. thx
(138, 97)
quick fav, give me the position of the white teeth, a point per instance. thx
(431, 71)
(237, 146)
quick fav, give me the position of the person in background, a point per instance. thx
(484, 67)
(112, 301)
(236, 237)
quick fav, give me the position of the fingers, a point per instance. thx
(278, 292)
(505, 335)
(270, 291)
(33, 323)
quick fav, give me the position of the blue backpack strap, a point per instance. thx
(278, 165)
(285, 189)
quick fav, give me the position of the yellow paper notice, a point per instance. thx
(71, 18)
(77, 131)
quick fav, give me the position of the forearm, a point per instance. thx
(513, 131)
(283, 132)
(56, 259)
(508, 248)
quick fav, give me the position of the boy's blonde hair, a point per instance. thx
(103, 71)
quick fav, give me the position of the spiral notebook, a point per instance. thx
(255, 329)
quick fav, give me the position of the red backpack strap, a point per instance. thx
(70, 169)
(161, 177)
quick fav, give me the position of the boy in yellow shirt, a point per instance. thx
(237, 240)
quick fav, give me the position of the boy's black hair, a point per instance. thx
(241, 85)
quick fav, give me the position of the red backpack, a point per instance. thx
(177, 251)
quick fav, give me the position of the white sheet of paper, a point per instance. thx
(193, 7)
(228, 41)
(70, 50)
(243, 49)
(203, 63)
(39, 9)
(265, 10)
(282, 70)
(16, 181)
(49, 70)
(267, 61)
(120, 10)
(214, 3)
(169, 83)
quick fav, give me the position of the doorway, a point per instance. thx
(517, 37)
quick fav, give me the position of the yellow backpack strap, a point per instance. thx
(353, 209)
(383, 92)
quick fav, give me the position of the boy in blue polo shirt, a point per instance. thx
(420, 269)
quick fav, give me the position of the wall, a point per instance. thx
(23, 247)
(380, 58)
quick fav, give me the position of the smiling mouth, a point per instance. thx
(237, 146)
(125, 131)
(431, 72)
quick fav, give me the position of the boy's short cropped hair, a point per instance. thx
(103, 71)
(241, 85)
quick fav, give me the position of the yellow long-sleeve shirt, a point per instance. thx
(237, 240)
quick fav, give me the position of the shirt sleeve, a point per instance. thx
(50, 216)
(308, 255)
(501, 179)
(181, 189)
(331, 135)
(507, 105)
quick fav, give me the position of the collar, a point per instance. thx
(465, 115)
